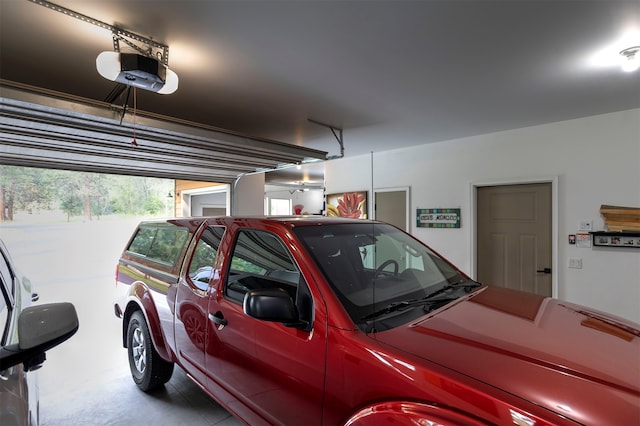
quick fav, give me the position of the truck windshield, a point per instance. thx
(383, 276)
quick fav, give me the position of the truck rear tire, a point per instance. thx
(148, 370)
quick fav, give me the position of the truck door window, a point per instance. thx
(260, 260)
(168, 244)
(162, 244)
(142, 241)
(204, 255)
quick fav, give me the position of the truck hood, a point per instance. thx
(576, 362)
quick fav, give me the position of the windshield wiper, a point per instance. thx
(467, 285)
(429, 299)
(396, 306)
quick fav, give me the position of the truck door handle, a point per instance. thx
(218, 319)
(544, 271)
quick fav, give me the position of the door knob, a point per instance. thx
(544, 271)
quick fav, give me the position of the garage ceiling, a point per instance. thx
(389, 73)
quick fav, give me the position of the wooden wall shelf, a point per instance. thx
(619, 218)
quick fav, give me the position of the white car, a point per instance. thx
(26, 332)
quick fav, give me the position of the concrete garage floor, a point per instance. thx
(86, 380)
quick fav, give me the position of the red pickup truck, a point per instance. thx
(312, 320)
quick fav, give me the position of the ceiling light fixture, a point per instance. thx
(631, 61)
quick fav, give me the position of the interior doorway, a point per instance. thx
(392, 206)
(207, 200)
(514, 235)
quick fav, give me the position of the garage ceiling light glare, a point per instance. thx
(137, 70)
(631, 61)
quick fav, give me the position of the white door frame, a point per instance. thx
(473, 190)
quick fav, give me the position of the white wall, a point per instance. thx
(596, 161)
(248, 196)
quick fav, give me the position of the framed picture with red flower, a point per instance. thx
(347, 204)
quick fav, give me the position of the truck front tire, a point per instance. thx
(148, 370)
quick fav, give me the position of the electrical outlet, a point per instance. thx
(575, 262)
(585, 225)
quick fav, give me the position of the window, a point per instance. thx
(6, 283)
(387, 249)
(142, 241)
(4, 316)
(279, 207)
(201, 266)
(162, 243)
(260, 260)
(371, 266)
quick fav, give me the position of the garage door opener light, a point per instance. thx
(147, 69)
(138, 69)
(631, 59)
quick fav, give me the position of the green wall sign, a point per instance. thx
(438, 218)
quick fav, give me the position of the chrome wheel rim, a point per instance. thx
(138, 350)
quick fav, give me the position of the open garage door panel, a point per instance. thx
(51, 130)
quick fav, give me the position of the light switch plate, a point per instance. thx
(575, 262)
(585, 225)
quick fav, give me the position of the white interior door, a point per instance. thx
(514, 234)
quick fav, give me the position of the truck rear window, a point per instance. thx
(162, 244)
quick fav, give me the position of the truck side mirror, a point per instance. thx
(40, 328)
(272, 304)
